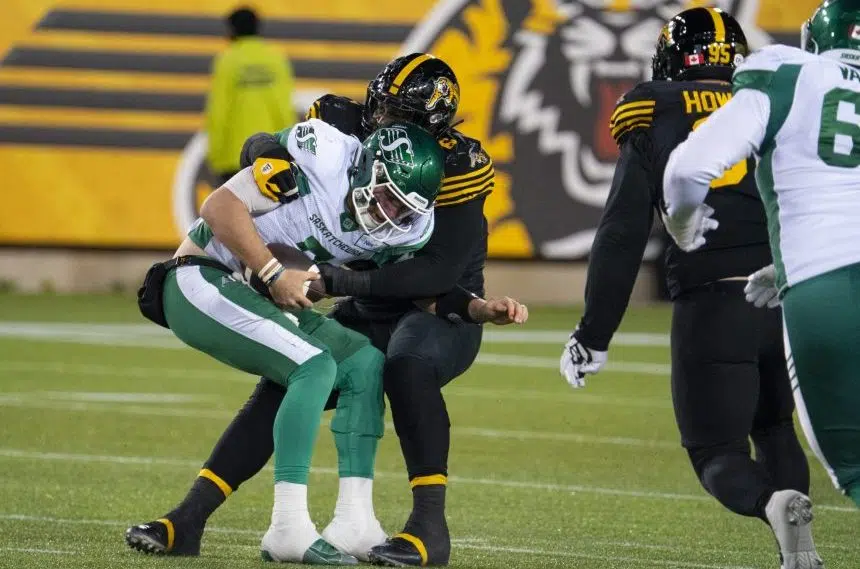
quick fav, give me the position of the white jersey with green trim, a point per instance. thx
(800, 114)
(318, 221)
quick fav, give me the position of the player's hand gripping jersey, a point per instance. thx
(314, 214)
(800, 113)
(648, 123)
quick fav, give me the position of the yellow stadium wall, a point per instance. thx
(60, 190)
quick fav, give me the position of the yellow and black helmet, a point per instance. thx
(417, 88)
(700, 43)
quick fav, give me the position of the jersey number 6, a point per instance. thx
(839, 140)
(733, 175)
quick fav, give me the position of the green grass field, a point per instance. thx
(106, 420)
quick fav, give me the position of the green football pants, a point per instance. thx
(211, 311)
(822, 321)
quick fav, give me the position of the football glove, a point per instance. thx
(577, 360)
(689, 233)
(761, 288)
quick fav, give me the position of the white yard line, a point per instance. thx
(542, 362)
(66, 330)
(37, 550)
(526, 485)
(33, 401)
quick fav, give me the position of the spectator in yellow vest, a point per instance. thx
(252, 91)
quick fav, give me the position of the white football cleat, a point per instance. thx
(355, 536)
(789, 513)
(285, 544)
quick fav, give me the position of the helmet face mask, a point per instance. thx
(697, 44)
(396, 179)
(416, 88)
(380, 207)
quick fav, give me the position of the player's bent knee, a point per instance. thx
(320, 369)
(360, 407)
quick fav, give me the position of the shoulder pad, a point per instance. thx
(758, 70)
(469, 170)
(342, 113)
(634, 111)
(771, 57)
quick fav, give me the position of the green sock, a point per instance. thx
(357, 424)
(298, 420)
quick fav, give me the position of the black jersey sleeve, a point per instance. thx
(433, 270)
(622, 235)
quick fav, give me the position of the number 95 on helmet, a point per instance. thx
(395, 179)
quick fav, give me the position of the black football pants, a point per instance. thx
(729, 385)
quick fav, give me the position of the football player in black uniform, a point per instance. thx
(729, 379)
(423, 352)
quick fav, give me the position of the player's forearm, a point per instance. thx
(615, 259)
(231, 223)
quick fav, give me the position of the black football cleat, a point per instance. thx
(407, 550)
(160, 537)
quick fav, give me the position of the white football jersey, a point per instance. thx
(318, 221)
(800, 114)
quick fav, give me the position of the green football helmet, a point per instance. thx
(834, 27)
(395, 179)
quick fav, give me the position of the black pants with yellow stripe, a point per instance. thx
(423, 354)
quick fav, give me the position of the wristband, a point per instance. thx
(271, 271)
(454, 305)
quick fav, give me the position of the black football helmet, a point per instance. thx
(417, 88)
(700, 43)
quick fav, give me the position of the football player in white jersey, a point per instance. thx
(798, 111)
(338, 200)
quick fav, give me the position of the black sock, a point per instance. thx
(204, 497)
(428, 506)
(243, 449)
(427, 521)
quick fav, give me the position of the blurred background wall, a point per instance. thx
(101, 153)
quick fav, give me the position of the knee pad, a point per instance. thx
(360, 404)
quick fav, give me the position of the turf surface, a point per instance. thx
(105, 421)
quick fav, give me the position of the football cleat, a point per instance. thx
(355, 537)
(407, 550)
(160, 537)
(789, 513)
(278, 547)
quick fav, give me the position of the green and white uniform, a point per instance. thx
(217, 313)
(800, 114)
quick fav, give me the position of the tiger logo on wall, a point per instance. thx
(540, 80)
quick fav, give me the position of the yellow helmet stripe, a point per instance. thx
(404, 73)
(719, 26)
